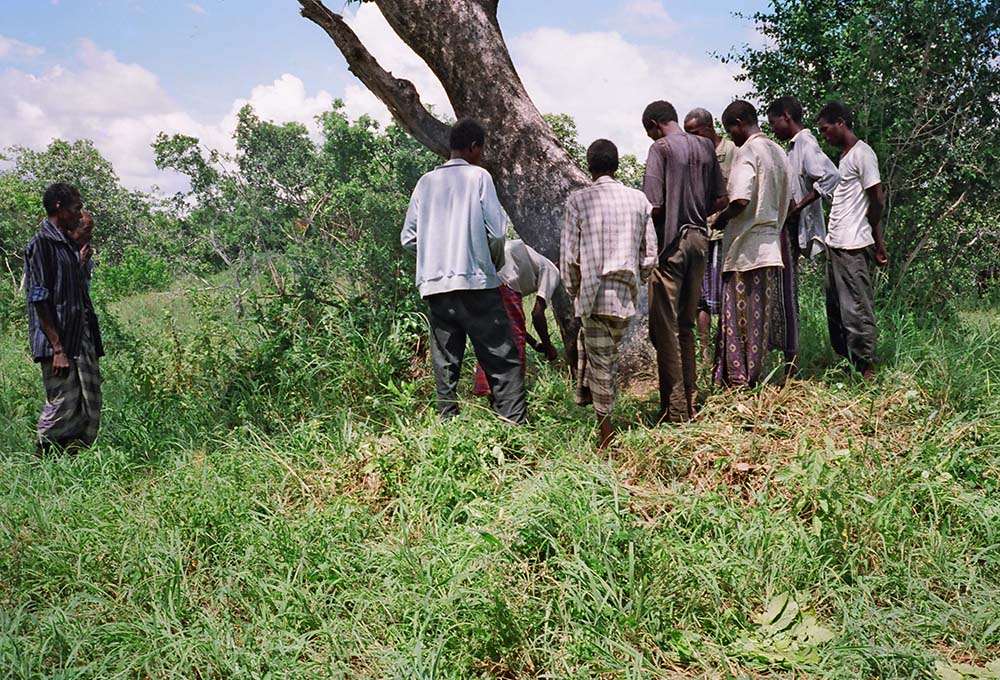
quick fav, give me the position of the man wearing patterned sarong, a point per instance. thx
(525, 271)
(63, 332)
(760, 191)
(608, 251)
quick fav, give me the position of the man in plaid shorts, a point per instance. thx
(608, 251)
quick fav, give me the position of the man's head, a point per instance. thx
(602, 158)
(785, 117)
(657, 118)
(700, 122)
(835, 121)
(466, 140)
(740, 121)
(85, 230)
(63, 205)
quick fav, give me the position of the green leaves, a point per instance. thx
(786, 634)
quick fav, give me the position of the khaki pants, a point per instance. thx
(674, 291)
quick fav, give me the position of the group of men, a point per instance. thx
(716, 231)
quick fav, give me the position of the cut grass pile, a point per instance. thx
(827, 529)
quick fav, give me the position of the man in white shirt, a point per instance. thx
(814, 177)
(760, 193)
(455, 226)
(525, 271)
(609, 249)
(700, 122)
(854, 239)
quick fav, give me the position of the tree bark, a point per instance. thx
(462, 44)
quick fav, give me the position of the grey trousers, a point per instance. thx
(478, 315)
(850, 305)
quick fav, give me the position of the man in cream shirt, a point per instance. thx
(854, 240)
(455, 226)
(760, 192)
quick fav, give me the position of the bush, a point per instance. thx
(137, 272)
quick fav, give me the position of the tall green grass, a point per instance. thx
(284, 504)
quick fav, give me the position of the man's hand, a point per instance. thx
(85, 252)
(549, 351)
(881, 254)
(60, 362)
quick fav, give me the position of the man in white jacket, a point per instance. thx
(455, 227)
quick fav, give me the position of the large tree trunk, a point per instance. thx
(461, 42)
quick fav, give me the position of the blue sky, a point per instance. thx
(185, 66)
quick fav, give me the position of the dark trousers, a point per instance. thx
(674, 291)
(478, 315)
(850, 304)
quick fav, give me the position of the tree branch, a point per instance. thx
(399, 95)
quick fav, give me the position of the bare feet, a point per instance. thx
(607, 432)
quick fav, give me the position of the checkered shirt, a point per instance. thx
(608, 248)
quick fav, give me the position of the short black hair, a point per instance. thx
(659, 112)
(786, 105)
(602, 156)
(835, 111)
(58, 194)
(739, 109)
(465, 133)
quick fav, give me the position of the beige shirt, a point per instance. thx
(527, 271)
(725, 152)
(762, 176)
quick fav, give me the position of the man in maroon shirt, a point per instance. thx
(684, 183)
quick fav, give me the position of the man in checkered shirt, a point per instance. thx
(608, 251)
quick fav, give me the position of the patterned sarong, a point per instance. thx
(597, 361)
(752, 323)
(72, 410)
(511, 303)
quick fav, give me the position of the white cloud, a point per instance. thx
(396, 57)
(122, 107)
(645, 17)
(15, 50)
(604, 82)
(196, 8)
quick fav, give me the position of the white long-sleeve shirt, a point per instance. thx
(455, 226)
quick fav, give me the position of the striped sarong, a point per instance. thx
(751, 324)
(597, 361)
(512, 304)
(790, 291)
(711, 283)
(72, 411)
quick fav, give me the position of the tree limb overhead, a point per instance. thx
(399, 95)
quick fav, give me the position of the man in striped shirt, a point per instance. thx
(608, 251)
(63, 332)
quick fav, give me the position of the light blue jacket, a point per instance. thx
(455, 226)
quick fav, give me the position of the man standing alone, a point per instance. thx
(455, 226)
(853, 240)
(684, 183)
(608, 251)
(63, 331)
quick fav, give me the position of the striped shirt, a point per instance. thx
(608, 248)
(53, 277)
